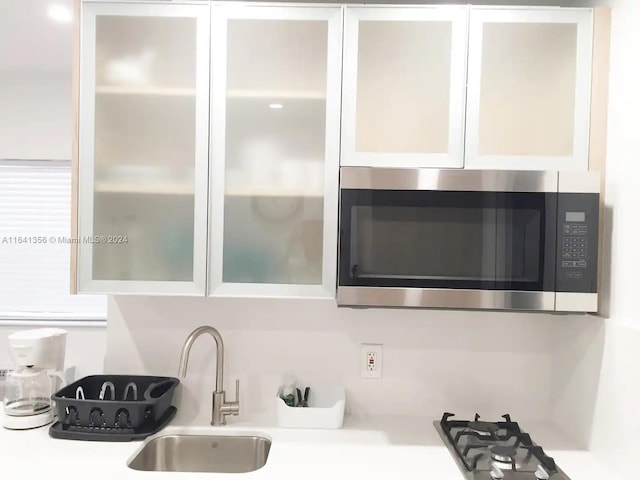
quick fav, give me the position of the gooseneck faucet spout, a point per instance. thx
(220, 408)
(186, 349)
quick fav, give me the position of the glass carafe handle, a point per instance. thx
(54, 390)
(58, 375)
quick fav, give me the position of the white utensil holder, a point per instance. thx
(325, 410)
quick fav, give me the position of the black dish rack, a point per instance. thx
(114, 407)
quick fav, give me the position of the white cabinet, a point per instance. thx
(529, 88)
(143, 148)
(274, 150)
(209, 149)
(473, 87)
(404, 86)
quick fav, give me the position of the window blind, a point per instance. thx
(35, 219)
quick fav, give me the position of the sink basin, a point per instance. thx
(202, 453)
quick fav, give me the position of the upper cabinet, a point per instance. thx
(529, 86)
(404, 86)
(275, 129)
(211, 134)
(473, 87)
(143, 148)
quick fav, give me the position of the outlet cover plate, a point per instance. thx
(371, 360)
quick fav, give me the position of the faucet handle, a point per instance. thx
(237, 400)
(233, 408)
(222, 408)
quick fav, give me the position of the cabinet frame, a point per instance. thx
(458, 16)
(220, 14)
(583, 18)
(86, 140)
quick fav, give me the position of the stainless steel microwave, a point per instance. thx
(498, 240)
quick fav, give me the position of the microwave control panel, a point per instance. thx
(577, 242)
(574, 242)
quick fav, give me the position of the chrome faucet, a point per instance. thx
(221, 408)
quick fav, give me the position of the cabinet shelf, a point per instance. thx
(277, 94)
(271, 192)
(190, 92)
(145, 90)
(144, 188)
(179, 189)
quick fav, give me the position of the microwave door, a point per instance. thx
(521, 246)
(450, 243)
(393, 245)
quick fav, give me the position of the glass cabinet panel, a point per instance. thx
(274, 151)
(529, 89)
(277, 100)
(404, 72)
(143, 145)
(404, 86)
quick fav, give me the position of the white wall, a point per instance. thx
(433, 361)
(617, 418)
(597, 389)
(35, 123)
(35, 115)
(597, 374)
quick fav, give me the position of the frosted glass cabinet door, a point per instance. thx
(144, 93)
(529, 89)
(404, 86)
(275, 149)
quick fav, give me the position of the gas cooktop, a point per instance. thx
(496, 450)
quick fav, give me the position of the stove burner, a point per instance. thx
(496, 450)
(484, 429)
(503, 453)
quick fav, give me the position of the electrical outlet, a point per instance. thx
(371, 360)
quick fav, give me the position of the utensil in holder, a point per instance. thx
(325, 409)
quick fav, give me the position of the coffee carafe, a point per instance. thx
(39, 356)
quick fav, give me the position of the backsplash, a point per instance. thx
(489, 362)
(598, 389)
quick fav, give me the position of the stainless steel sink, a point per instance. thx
(203, 453)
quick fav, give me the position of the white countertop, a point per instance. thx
(371, 448)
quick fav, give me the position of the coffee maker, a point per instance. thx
(39, 358)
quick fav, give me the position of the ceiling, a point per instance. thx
(30, 40)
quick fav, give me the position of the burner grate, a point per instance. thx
(495, 440)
